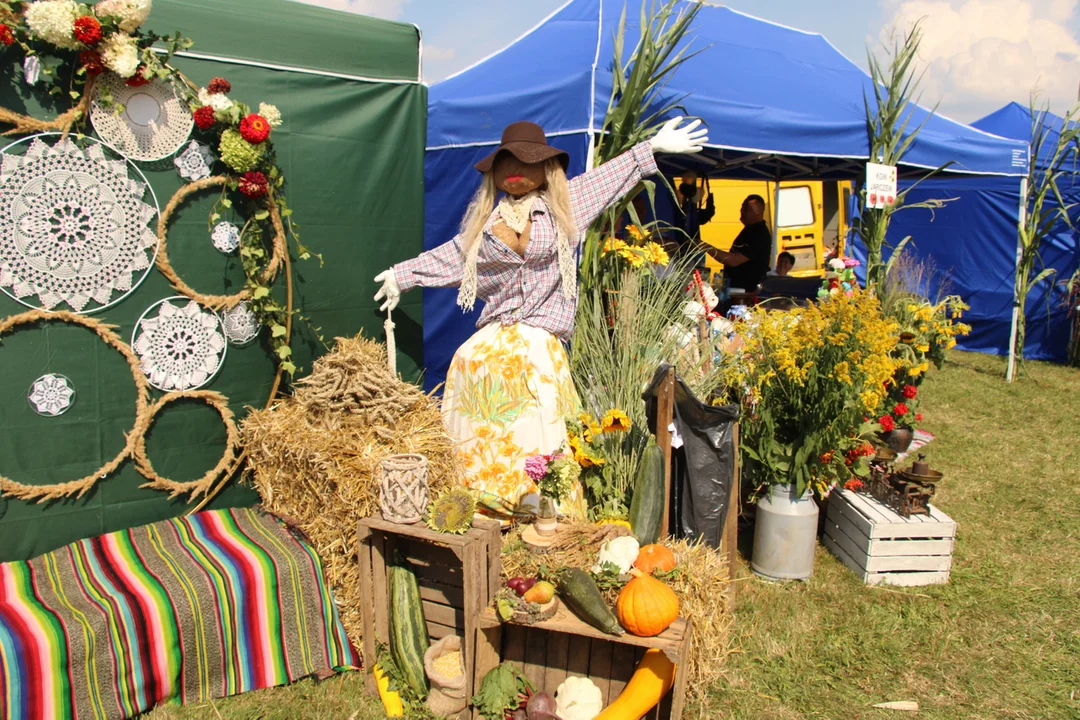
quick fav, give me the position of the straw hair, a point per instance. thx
(472, 234)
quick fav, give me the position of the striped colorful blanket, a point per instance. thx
(189, 609)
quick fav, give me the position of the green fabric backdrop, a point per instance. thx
(352, 151)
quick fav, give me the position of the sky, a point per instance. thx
(977, 54)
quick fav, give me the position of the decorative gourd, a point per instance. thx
(655, 558)
(578, 698)
(580, 593)
(646, 606)
(391, 699)
(651, 681)
(647, 504)
(408, 631)
(620, 552)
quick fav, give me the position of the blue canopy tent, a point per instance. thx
(778, 102)
(972, 243)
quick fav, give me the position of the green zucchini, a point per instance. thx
(408, 631)
(579, 591)
(647, 504)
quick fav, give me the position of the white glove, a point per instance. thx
(389, 290)
(684, 140)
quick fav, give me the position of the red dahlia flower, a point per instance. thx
(910, 391)
(900, 410)
(253, 184)
(137, 79)
(219, 85)
(254, 128)
(6, 36)
(204, 117)
(87, 30)
(91, 60)
(887, 423)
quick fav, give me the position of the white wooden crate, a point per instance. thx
(881, 546)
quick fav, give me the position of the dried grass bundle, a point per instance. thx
(314, 456)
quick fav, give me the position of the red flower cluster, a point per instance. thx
(887, 423)
(91, 60)
(827, 457)
(204, 117)
(254, 128)
(910, 391)
(918, 417)
(854, 485)
(219, 85)
(6, 36)
(87, 30)
(137, 79)
(900, 410)
(864, 450)
(253, 184)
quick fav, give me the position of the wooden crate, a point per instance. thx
(457, 574)
(564, 645)
(882, 546)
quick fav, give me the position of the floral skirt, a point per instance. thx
(508, 395)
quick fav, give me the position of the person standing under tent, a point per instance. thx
(747, 262)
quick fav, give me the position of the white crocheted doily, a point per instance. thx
(241, 325)
(195, 162)
(74, 229)
(149, 122)
(51, 395)
(226, 237)
(180, 345)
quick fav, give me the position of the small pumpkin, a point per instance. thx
(646, 606)
(655, 558)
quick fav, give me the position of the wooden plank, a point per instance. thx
(886, 563)
(577, 656)
(665, 413)
(870, 528)
(600, 666)
(416, 551)
(730, 542)
(493, 532)
(908, 579)
(380, 598)
(904, 546)
(891, 524)
(682, 671)
(622, 667)
(536, 642)
(444, 614)
(437, 631)
(474, 568)
(565, 621)
(558, 655)
(419, 531)
(844, 557)
(442, 594)
(514, 643)
(487, 656)
(439, 573)
(367, 609)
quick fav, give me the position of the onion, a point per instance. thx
(542, 706)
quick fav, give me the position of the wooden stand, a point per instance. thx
(458, 576)
(554, 649)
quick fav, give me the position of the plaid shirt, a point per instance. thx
(529, 289)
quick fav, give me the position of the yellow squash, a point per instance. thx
(652, 680)
(391, 699)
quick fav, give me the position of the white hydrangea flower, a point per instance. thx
(132, 13)
(120, 54)
(54, 22)
(219, 101)
(271, 114)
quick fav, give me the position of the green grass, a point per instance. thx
(1001, 640)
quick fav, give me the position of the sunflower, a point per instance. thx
(615, 421)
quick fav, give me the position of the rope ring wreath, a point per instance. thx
(196, 487)
(216, 302)
(78, 488)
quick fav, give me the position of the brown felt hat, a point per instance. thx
(525, 141)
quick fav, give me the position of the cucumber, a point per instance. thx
(647, 504)
(408, 631)
(578, 590)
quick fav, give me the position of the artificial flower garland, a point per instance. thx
(107, 37)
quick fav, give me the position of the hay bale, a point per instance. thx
(314, 455)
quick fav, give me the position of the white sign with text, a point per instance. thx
(880, 185)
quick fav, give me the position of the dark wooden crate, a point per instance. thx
(552, 650)
(457, 575)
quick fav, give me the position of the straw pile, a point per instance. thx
(314, 456)
(700, 580)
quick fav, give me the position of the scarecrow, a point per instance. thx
(508, 391)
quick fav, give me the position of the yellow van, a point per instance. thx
(811, 217)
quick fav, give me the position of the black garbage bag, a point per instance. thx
(704, 465)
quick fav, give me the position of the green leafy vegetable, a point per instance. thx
(503, 689)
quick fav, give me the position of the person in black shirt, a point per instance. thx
(747, 262)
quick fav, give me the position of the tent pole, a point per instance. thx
(1022, 218)
(775, 218)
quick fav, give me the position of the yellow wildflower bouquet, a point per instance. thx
(809, 382)
(593, 442)
(637, 251)
(926, 331)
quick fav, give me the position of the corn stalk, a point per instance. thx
(636, 108)
(896, 87)
(1044, 208)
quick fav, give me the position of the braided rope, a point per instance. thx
(26, 125)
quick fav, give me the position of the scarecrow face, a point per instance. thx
(515, 177)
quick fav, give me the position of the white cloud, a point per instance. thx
(434, 52)
(388, 9)
(981, 54)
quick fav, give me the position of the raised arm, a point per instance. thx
(595, 191)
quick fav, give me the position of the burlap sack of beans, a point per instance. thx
(447, 695)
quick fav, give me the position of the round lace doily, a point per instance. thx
(74, 229)
(180, 345)
(195, 162)
(149, 122)
(241, 325)
(51, 395)
(226, 237)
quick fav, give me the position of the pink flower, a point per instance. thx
(851, 262)
(536, 467)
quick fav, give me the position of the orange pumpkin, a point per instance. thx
(653, 558)
(646, 606)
